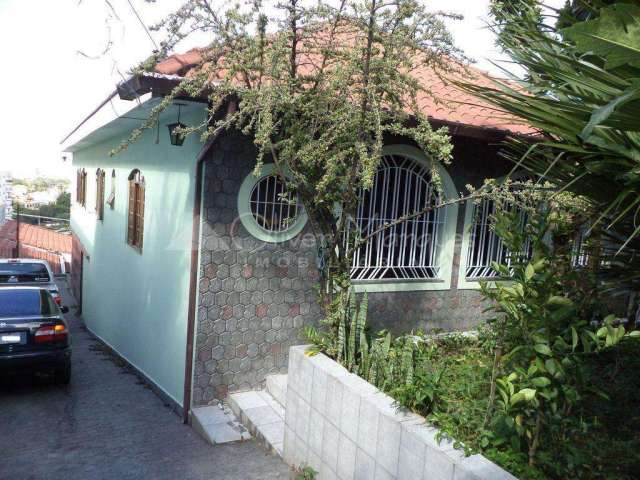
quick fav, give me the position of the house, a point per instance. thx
(36, 242)
(198, 273)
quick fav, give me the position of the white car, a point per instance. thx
(29, 271)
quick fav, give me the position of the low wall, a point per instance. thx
(345, 428)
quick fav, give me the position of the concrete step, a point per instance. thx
(217, 424)
(262, 415)
(277, 388)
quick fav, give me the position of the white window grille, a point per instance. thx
(273, 207)
(485, 246)
(409, 250)
(579, 253)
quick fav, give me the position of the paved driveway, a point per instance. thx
(108, 425)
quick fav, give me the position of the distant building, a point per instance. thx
(5, 199)
(37, 199)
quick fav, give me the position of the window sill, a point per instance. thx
(474, 283)
(381, 286)
(136, 248)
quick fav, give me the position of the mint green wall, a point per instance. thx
(137, 303)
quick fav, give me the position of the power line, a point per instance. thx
(143, 24)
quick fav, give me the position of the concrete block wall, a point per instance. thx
(345, 428)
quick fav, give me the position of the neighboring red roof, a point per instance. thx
(452, 104)
(179, 64)
(34, 236)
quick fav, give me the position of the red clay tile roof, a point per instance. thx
(34, 236)
(452, 105)
(180, 63)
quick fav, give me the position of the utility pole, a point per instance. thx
(17, 229)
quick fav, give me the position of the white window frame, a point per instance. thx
(248, 220)
(447, 233)
(463, 282)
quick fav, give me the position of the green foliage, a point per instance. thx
(399, 366)
(580, 92)
(59, 209)
(543, 326)
(532, 390)
(614, 35)
(306, 473)
(317, 86)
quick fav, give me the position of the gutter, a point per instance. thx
(194, 268)
(88, 117)
(133, 88)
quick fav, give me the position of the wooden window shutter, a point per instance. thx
(78, 186)
(101, 210)
(83, 188)
(100, 194)
(140, 214)
(131, 213)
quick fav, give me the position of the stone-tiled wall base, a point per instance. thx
(448, 310)
(254, 297)
(344, 428)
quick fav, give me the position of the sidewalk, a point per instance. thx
(108, 425)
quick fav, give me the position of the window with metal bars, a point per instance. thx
(81, 186)
(273, 207)
(135, 223)
(485, 246)
(409, 250)
(100, 194)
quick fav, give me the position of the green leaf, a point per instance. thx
(541, 382)
(604, 112)
(516, 398)
(614, 35)
(529, 272)
(574, 338)
(537, 266)
(558, 301)
(543, 349)
(526, 394)
(601, 332)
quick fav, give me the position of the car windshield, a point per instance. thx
(23, 272)
(25, 303)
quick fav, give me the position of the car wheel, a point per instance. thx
(62, 376)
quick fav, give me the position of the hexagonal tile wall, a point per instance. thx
(254, 297)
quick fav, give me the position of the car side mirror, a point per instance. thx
(64, 309)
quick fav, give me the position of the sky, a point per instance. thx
(55, 71)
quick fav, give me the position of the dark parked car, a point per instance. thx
(34, 336)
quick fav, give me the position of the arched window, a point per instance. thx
(100, 194)
(267, 209)
(481, 246)
(81, 187)
(135, 218)
(417, 249)
(485, 246)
